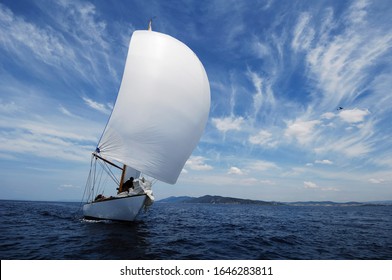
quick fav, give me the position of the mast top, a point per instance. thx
(150, 23)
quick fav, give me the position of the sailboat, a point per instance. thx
(158, 118)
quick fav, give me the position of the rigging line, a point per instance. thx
(86, 186)
(103, 181)
(112, 175)
(104, 184)
(90, 178)
(106, 125)
(98, 183)
(110, 172)
(104, 163)
(94, 180)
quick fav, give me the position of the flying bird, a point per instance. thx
(340, 108)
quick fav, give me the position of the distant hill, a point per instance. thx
(383, 202)
(215, 199)
(324, 203)
(175, 199)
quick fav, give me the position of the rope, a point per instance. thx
(86, 187)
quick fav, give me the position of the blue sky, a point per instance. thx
(278, 71)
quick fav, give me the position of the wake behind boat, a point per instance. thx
(159, 116)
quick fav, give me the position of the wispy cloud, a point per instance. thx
(68, 53)
(90, 31)
(263, 95)
(235, 171)
(74, 41)
(67, 187)
(228, 123)
(338, 63)
(313, 186)
(263, 138)
(50, 137)
(350, 144)
(376, 181)
(303, 33)
(310, 185)
(324, 161)
(302, 131)
(354, 115)
(19, 36)
(8, 107)
(103, 108)
(261, 165)
(328, 115)
(66, 112)
(198, 163)
(21, 143)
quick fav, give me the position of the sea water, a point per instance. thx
(56, 230)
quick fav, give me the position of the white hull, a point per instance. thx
(121, 209)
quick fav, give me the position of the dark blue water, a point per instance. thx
(49, 230)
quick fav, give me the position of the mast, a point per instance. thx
(122, 179)
(150, 24)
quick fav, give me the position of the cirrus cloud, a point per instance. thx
(228, 123)
(353, 115)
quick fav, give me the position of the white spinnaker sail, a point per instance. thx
(161, 109)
